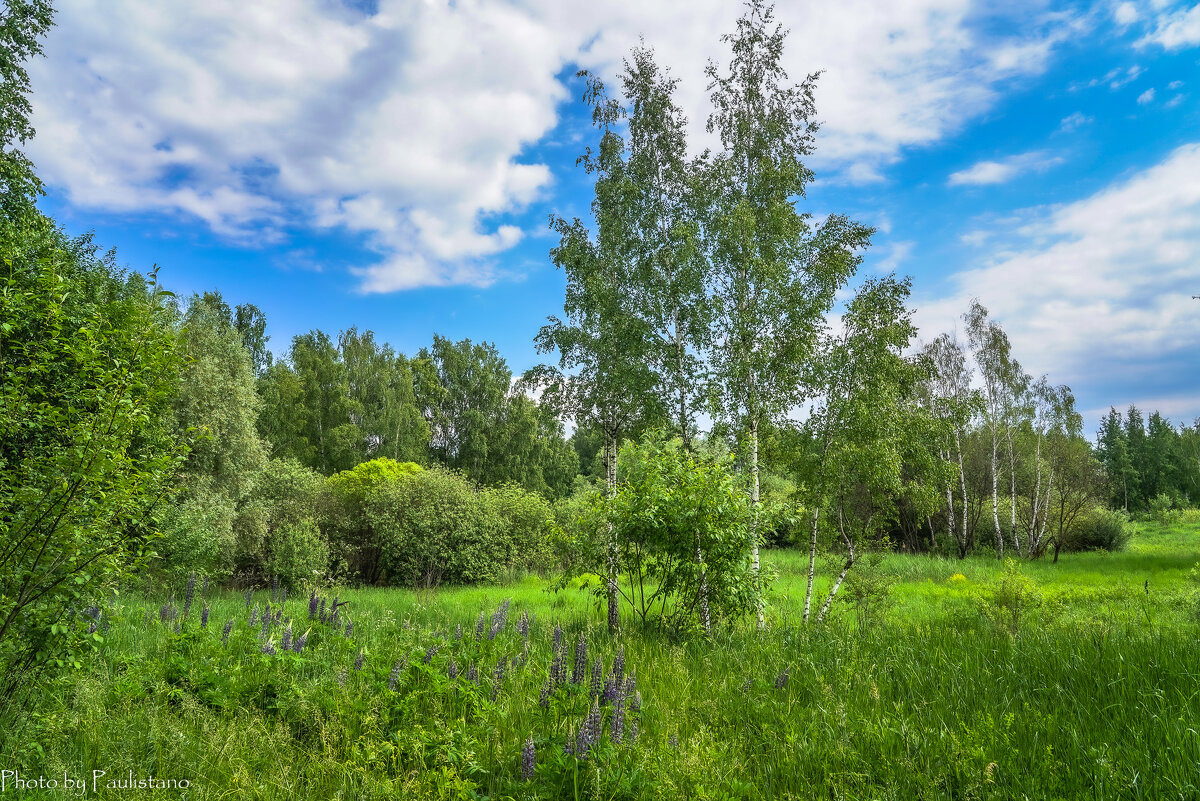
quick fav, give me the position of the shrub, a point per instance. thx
(1166, 509)
(299, 554)
(1099, 530)
(344, 500)
(528, 520)
(435, 527)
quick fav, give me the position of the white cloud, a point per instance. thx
(1175, 84)
(1174, 30)
(1174, 101)
(1146, 97)
(412, 126)
(1098, 287)
(897, 254)
(1074, 120)
(997, 172)
(1125, 14)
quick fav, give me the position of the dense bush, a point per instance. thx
(299, 554)
(1099, 530)
(355, 545)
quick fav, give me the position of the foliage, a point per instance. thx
(299, 555)
(355, 542)
(87, 367)
(682, 525)
(1100, 529)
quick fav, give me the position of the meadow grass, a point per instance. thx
(1089, 688)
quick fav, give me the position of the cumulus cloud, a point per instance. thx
(998, 172)
(1146, 97)
(1174, 30)
(413, 125)
(1074, 120)
(1100, 287)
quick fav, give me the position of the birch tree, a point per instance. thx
(952, 400)
(604, 378)
(773, 271)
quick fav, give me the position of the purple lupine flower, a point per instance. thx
(395, 677)
(287, 638)
(267, 612)
(204, 617)
(523, 625)
(349, 629)
(593, 723)
(472, 674)
(781, 680)
(498, 677)
(266, 628)
(544, 698)
(499, 619)
(452, 670)
(254, 616)
(597, 686)
(249, 595)
(322, 614)
(480, 624)
(312, 606)
(269, 648)
(558, 670)
(358, 660)
(225, 633)
(167, 611)
(618, 668)
(580, 661)
(429, 653)
(557, 636)
(189, 594)
(528, 759)
(301, 641)
(341, 679)
(523, 658)
(458, 632)
(617, 725)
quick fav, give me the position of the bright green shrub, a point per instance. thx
(528, 521)
(355, 545)
(299, 554)
(1166, 508)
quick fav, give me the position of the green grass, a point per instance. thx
(1094, 694)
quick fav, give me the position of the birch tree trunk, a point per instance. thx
(610, 480)
(812, 564)
(996, 495)
(754, 502)
(1012, 484)
(962, 479)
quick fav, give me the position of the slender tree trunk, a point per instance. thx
(812, 564)
(1012, 484)
(1046, 512)
(610, 480)
(996, 495)
(1037, 498)
(754, 503)
(680, 351)
(705, 613)
(962, 479)
(851, 558)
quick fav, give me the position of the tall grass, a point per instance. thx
(1093, 694)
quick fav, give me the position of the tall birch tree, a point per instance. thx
(773, 271)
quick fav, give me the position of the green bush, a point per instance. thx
(299, 555)
(1166, 508)
(1100, 530)
(436, 528)
(528, 520)
(355, 545)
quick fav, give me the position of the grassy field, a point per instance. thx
(1072, 680)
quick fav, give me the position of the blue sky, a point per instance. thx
(392, 165)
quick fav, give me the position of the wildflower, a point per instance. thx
(458, 632)
(557, 636)
(618, 667)
(301, 641)
(673, 741)
(358, 660)
(472, 674)
(597, 688)
(266, 627)
(189, 594)
(269, 648)
(321, 615)
(480, 624)
(580, 660)
(452, 670)
(499, 619)
(593, 723)
(349, 628)
(341, 679)
(544, 698)
(312, 606)
(558, 670)
(569, 745)
(225, 632)
(287, 638)
(618, 721)
(498, 677)
(395, 677)
(781, 680)
(204, 617)
(433, 649)
(254, 616)
(523, 625)
(528, 759)
(249, 595)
